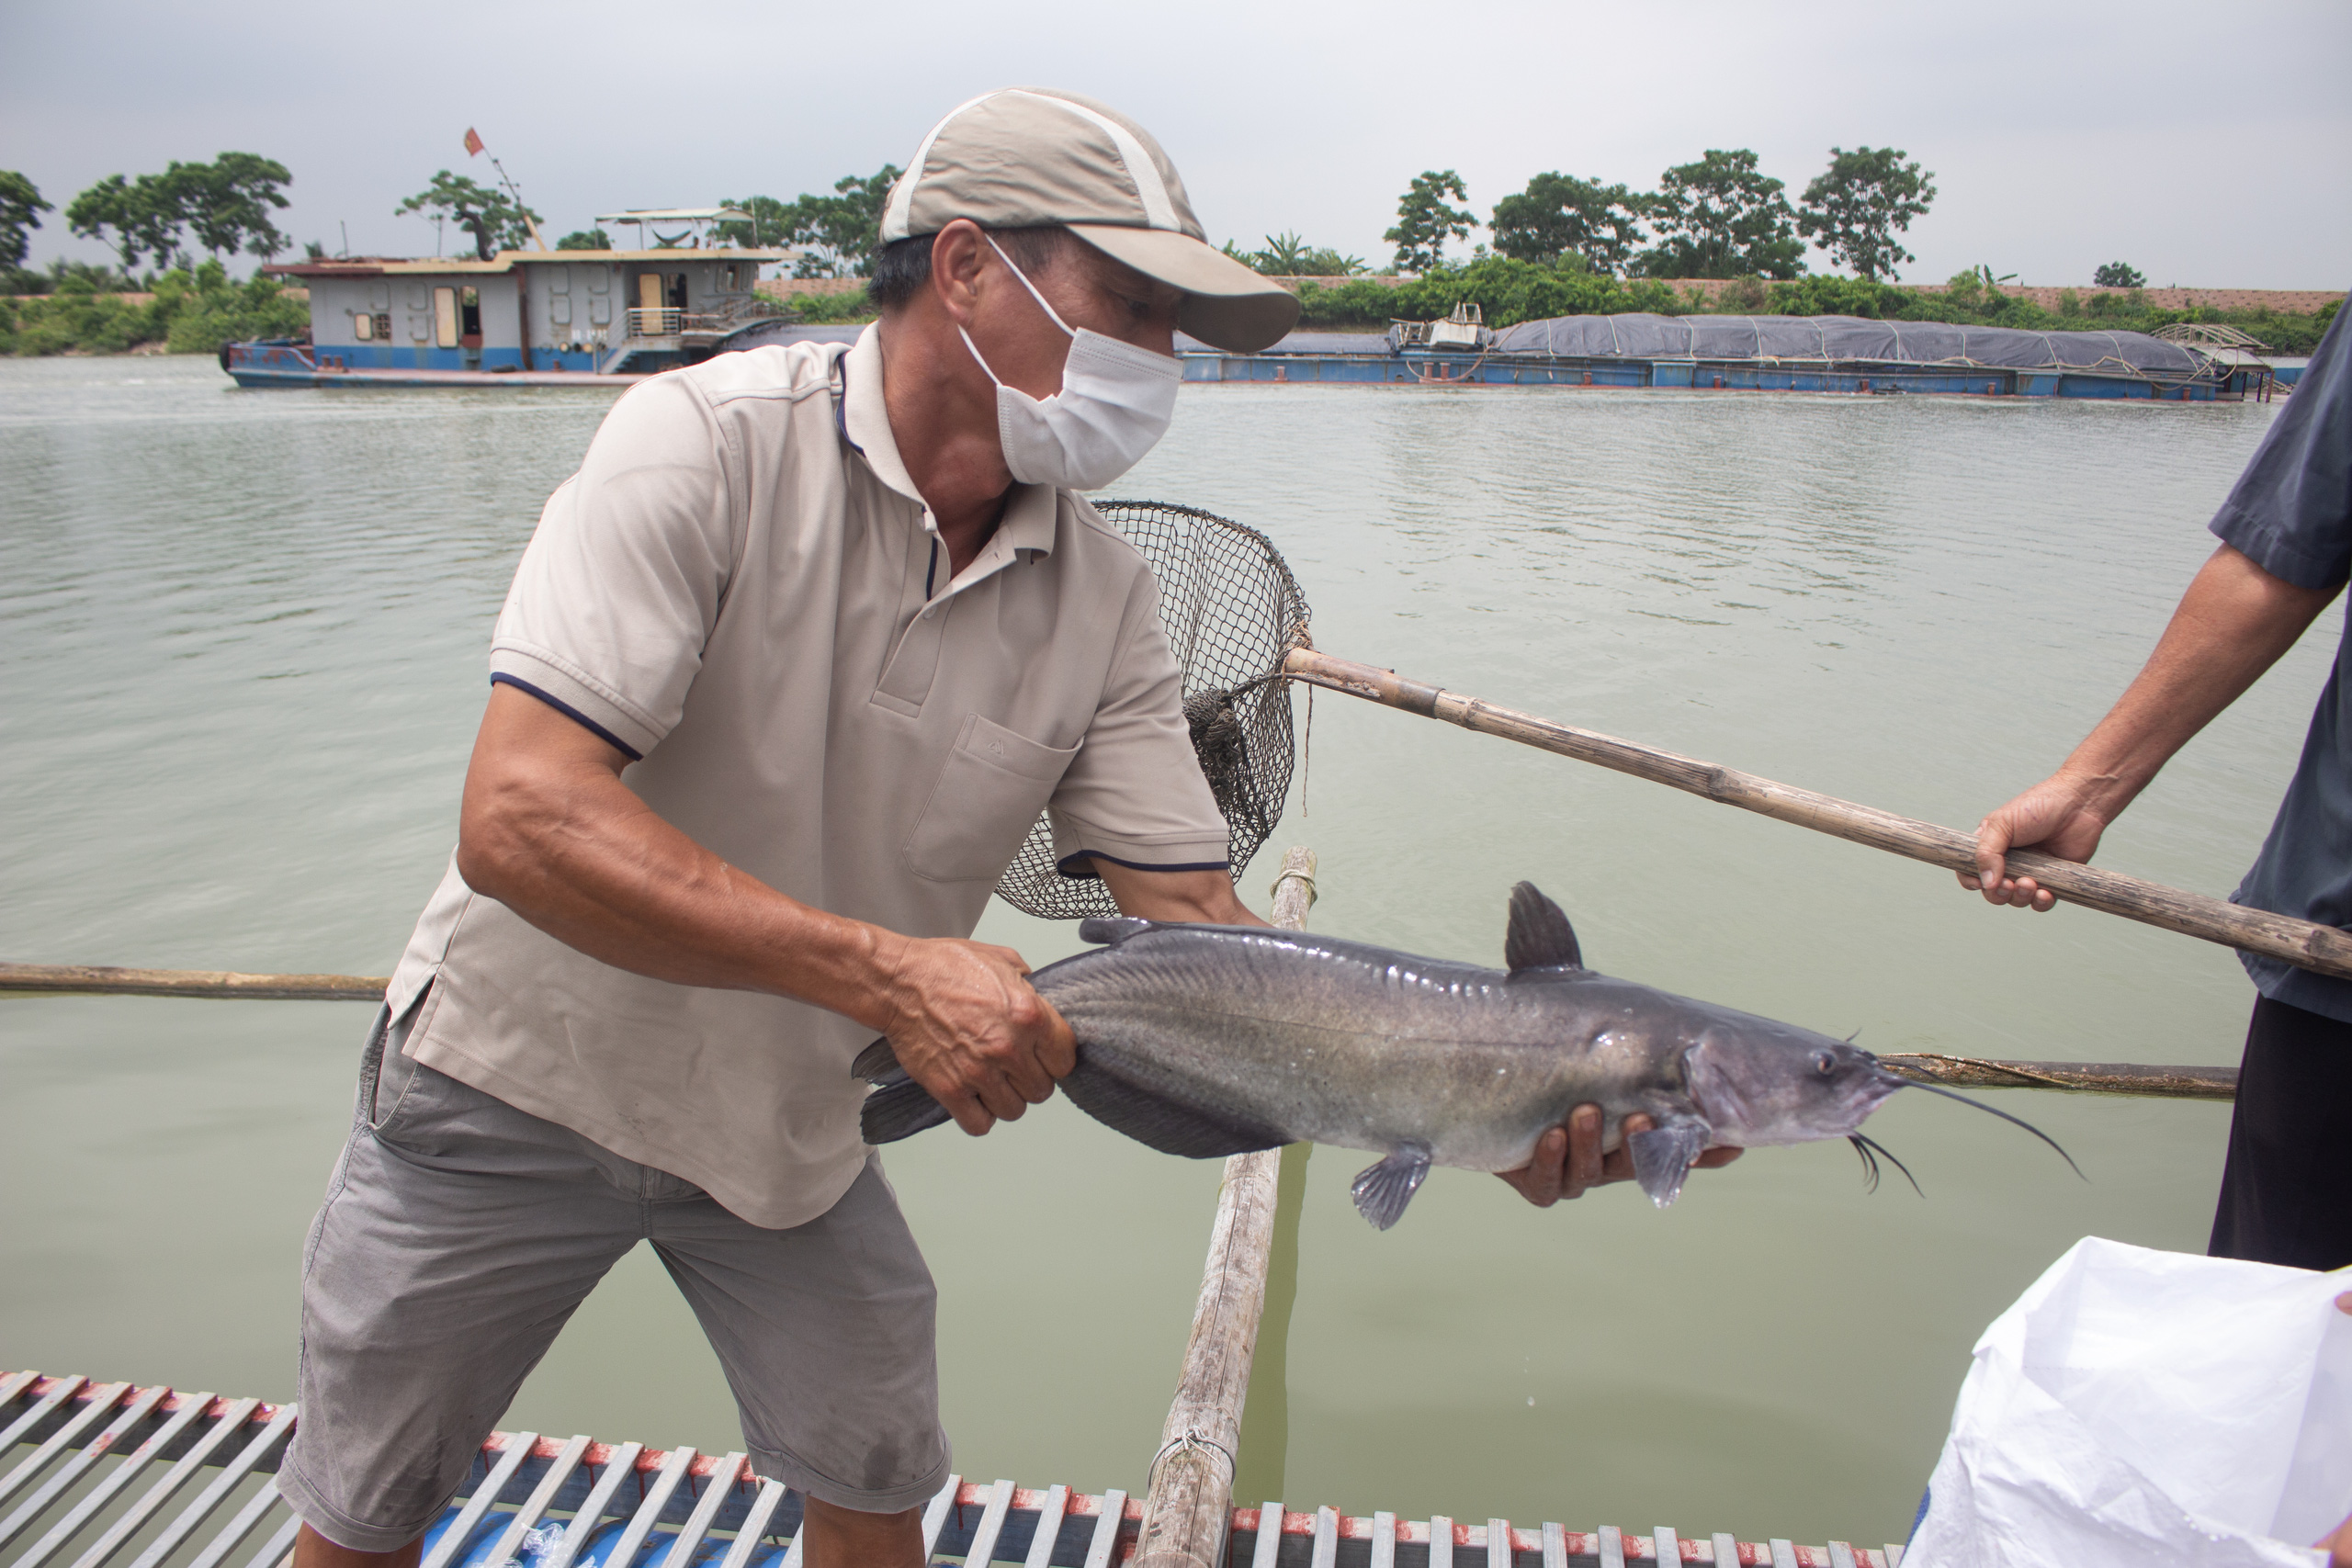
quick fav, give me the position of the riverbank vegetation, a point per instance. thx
(182, 312)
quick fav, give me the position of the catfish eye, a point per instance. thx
(1824, 1063)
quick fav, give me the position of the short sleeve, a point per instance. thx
(2290, 513)
(619, 588)
(1135, 793)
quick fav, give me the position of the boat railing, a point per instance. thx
(722, 316)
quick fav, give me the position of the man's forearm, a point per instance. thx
(2233, 623)
(551, 832)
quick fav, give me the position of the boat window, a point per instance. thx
(558, 279)
(445, 317)
(560, 310)
(363, 326)
(417, 297)
(470, 314)
(599, 280)
(384, 325)
(379, 295)
(600, 311)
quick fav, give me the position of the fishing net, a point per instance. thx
(1231, 610)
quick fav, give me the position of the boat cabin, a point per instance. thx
(606, 312)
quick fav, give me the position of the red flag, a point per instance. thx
(473, 142)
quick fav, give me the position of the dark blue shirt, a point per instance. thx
(2291, 514)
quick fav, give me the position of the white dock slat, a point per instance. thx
(1497, 1543)
(1841, 1554)
(453, 1540)
(527, 1519)
(1727, 1550)
(1441, 1541)
(1106, 1543)
(697, 1525)
(648, 1513)
(755, 1525)
(1784, 1553)
(93, 1502)
(136, 1517)
(87, 1454)
(1613, 1547)
(232, 1476)
(797, 1553)
(1894, 1554)
(1555, 1545)
(1269, 1538)
(1666, 1543)
(619, 1465)
(13, 1385)
(934, 1518)
(982, 1551)
(66, 1389)
(279, 1547)
(76, 1428)
(1383, 1539)
(1049, 1527)
(1326, 1537)
(240, 1525)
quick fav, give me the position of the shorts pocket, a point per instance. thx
(989, 791)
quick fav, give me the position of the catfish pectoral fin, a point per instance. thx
(898, 1110)
(1663, 1155)
(1161, 1124)
(1383, 1189)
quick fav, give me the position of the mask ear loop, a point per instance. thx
(1050, 313)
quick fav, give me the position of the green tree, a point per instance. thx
(838, 234)
(770, 223)
(227, 203)
(1558, 215)
(20, 210)
(137, 218)
(1855, 207)
(1722, 218)
(585, 239)
(1288, 255)
(2120, 275)
(496, 221)
(1424, 222)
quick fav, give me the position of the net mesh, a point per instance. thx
(1231, 610)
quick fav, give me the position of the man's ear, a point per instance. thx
(958, 257)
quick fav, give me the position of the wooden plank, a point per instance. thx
(666, 1483)
(1106, 1544)
(1326, 1553)
(280, 1425)
(1384, 1541)
(1270, 1537)
(934, 1517)
(2321, 948)
(1441, 1541)
(1613, 1547)
(535, 1508)
(1556, 1546)
(1497, 1543)
(77, 1465)
(107, 980)
(228, 1421)
(1665, 1544)
(1727, 1550)
(1049, 1527)
(1189, 1505)
(619, 1465)
(451, 1546)
(982, 1551)
(755, 1525)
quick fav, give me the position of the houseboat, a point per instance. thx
(521, 318)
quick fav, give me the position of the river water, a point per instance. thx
(242, 643)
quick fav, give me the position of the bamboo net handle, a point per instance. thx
(95, 980)
(2321, 948)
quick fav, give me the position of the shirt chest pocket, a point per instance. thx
(990, 791)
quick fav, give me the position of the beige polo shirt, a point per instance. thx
(743, 590)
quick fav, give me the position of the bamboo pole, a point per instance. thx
(2322, 948)
(93, 979)
(1190, 1502)
(2089, 1077)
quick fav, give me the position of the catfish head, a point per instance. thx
(1759, 1082)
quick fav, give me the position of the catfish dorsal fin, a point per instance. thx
(1540, 936)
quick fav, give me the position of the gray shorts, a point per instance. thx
(459, 1235)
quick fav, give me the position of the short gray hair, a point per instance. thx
(904, 266)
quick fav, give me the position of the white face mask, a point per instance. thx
(1115, 405)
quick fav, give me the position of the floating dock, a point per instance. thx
(112, 1473)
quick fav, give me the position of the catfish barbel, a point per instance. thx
(1216, 1040)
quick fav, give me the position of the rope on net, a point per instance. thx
(1231, 610)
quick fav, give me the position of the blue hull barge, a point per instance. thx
(518, 318)
(1780, 353)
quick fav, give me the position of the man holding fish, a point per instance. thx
(785, 675)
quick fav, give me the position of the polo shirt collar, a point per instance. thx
(1030, 512)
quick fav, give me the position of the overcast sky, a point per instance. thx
(2207, 144)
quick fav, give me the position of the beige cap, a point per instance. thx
(1024, 157)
